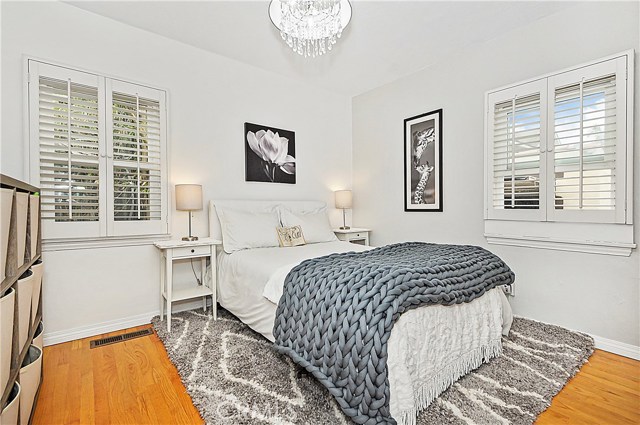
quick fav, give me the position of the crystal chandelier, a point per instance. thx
(310, 27)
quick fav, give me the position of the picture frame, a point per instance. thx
(423, 162)
(269, 154)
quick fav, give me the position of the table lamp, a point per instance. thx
(344, 200)
(189, 198)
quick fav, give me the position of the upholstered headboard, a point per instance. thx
(246, 205)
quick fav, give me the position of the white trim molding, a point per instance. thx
(591, 247)
(80, 332)
(96, 243)
(52, 338)
(617, 347)
(600, 343)
(58, 337)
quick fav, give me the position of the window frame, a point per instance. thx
(612, 236)
(68, 234)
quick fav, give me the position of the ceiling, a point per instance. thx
(384, 41)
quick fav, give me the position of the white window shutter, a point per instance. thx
(587, 125)
(516, 130)
(136, 142)
(98, 150)
(65, 129)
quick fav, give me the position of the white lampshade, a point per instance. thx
(188, 197)
(344, 199)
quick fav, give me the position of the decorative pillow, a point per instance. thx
(290, 236)
(315, 225)
(247, 229)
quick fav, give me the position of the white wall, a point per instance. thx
(210, 98)
(593, 293)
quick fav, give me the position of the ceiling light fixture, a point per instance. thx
(310, 27)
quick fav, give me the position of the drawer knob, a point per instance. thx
(193, 250)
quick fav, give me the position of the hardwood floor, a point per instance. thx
(133, 382)
(605, 391)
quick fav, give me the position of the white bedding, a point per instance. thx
(243, 276)
(250, 283)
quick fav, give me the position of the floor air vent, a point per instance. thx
(119, 338)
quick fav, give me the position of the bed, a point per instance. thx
(423, 340)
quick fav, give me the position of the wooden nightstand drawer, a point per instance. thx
(355, 235)
(191, 251)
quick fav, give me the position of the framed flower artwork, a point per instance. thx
(269, 154)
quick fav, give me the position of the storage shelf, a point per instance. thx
(15, 369)
(10, 182)
(22, 243)
(7, 282)
(188, 293)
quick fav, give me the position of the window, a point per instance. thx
(558, 150)
(98, 152)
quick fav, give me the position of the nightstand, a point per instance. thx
(355, 235)
(171, 251)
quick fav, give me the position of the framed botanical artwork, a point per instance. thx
(423, 162)
(270, 154)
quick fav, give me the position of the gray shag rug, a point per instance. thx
(234, 376)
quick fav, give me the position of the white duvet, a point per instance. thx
(429, 348)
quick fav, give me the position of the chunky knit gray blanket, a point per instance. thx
(336, 313)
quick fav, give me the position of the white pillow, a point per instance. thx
(248, 229)
(315, 225)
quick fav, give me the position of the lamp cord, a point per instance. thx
(194, 273)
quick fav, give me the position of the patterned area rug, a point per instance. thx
(234, 376)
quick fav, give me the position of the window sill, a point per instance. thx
(97, 243)
(591, 247)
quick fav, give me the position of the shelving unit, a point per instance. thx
(15, 268)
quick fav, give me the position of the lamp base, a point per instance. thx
(345, 227)
(190, 238)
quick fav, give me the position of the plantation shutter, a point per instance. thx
(588, 164)
(66, 122)
(516, 129)
(137, 139)
(98, 151)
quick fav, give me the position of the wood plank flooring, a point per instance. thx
(133, 382)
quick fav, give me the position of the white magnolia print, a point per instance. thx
(272, 150)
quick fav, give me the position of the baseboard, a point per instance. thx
(617, 347)
(605, 344)
(59, 337)
(51, 338)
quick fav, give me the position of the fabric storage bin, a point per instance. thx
(29, 381)
(25, 292)
(6, 202)
(38, 336)
(37, 270)
(10, 410)
(34, 203)
(7, 302)
(22, 203)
